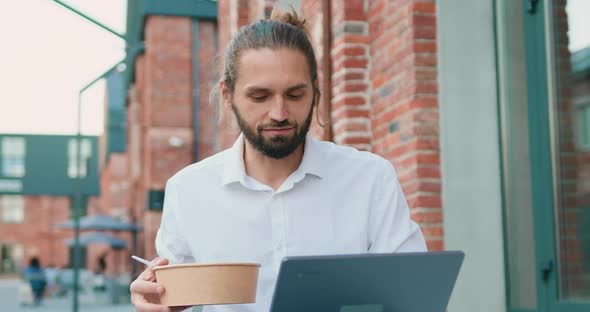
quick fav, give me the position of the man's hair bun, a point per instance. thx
(290, 18)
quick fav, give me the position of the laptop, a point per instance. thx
(395, 282)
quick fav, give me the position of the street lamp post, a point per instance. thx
(78, 187)
(78, 177)
(133, 48)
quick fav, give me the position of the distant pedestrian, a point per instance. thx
(99, 274)
(36, 277)
(51, 275)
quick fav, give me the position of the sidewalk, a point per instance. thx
(9, 301)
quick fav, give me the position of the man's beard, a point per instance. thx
(279, 146)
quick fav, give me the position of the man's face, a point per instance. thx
(272, 100)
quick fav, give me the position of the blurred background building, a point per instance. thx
(36, 192)
(483, 107)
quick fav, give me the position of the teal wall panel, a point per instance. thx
(46, 167)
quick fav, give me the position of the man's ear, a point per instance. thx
(225, 94)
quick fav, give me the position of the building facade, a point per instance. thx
(37, 182)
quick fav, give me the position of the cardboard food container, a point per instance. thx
(204, 284)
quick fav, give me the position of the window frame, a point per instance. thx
(8, 203)
(14, 152)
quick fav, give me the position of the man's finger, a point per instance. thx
(148, 274)
(146, 288)
(160, 261)
(150, 307)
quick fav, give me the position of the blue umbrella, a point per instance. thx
(98, 238)
(101, 223)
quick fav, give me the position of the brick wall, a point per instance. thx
(114, 200)
(350, 107)
(45, 240)
(318, 21)
(161, 112)
(404, 106)
(134, 143)
(208, 78)
(236, 14)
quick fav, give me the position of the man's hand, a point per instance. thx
(146, 292)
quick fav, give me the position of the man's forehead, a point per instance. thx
(270, 59)
(272, 69)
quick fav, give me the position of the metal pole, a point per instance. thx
(78, 183)
(90, 19)
(134, 243)
(78, 203)
(78, 189)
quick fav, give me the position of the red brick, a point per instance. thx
(348, 38)
(378, 81)
(355, 87)
(427, 217)
(354, 5)
(424, 32)
(435, 245)
(424, 20)
(426, 88)
(428, 201)
(376, 8)
(356, 140)
(350, 101)
(424, 7)
(432, 232)
(422, 186)
(351, 113)
(425, 46)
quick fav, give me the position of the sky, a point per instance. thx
(48, 53)
(577, 11)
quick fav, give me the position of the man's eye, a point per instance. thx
(259, 98)
(294, 96)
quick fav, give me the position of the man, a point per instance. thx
(277, 192)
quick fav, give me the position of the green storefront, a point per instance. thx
(515, 123)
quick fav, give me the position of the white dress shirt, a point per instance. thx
(339, 201)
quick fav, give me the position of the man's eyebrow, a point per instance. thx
(297, 87)
(255, 89)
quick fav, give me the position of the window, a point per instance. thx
(584, 127)
(12, 208)
(11, 255)
(155, 200)
(80, 171)
(13, 157)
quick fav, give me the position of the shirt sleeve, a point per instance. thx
(390, 226)
(170, 243)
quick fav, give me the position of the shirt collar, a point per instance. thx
(234, 170)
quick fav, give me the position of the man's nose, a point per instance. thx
(278, 109)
